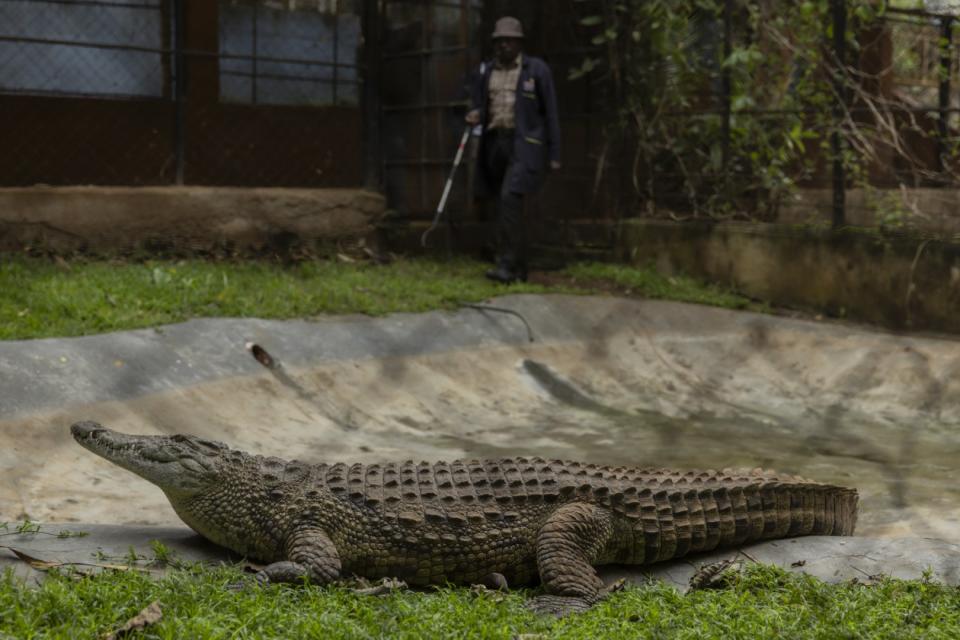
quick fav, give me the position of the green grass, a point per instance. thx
(42, 298)
(765, 603)
(650, 284)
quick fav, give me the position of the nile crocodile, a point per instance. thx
(466, 520)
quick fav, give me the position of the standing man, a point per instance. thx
(515, 104)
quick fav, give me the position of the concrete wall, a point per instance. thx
(180, 219)
(898, 282)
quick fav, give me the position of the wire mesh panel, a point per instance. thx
(231, 92)
(672, 108)
(428, 52)
(85, 88)
(101, 48)
(278, 103)
(276, 55)
(915, 101)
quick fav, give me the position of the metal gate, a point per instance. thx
(429, 53)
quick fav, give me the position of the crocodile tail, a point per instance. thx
(701, 516)
(807, 508)
(843, 519)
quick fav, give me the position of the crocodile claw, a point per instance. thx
(560, 606)
(494, 582)
(614, 587)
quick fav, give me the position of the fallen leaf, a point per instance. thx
(715, 575)
(36, 563)
(151, 614)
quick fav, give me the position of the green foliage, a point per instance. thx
(33, 528)
(200, 603)
(666, 63)
(67, 533)
(27, 527)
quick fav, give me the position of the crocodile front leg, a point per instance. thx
(310, 555)
(568, 544)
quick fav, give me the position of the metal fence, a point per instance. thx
(429, 52)
(883, 122)
(426, 52)
(329, 93)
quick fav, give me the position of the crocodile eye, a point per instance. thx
(210, 444)
(164, 454)
(192, 465)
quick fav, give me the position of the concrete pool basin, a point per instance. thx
(604, 379)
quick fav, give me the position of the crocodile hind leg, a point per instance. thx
(310, 555)
(568, 544)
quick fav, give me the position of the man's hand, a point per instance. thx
(473, 117)
(555, 165)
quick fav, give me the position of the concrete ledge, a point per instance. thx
(606, 380)
(180, 219)
(894, 281)
(832, 559)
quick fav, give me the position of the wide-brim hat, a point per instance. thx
(507, 27)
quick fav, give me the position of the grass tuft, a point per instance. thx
(646, 282)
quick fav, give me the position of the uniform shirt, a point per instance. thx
(503, 94)
(536, 125)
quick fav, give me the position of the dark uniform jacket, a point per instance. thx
(537, 134)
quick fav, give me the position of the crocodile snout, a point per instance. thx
(86, 429)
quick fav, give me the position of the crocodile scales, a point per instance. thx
(528, 519)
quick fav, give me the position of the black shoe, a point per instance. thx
(502, 274)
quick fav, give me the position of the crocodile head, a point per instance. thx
(182, 466)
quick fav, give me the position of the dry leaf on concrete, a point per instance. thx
(36, 563)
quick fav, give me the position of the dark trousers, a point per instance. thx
(511, 237)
